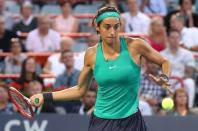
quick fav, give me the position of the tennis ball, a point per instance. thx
(167, 103)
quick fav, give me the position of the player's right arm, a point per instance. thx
(77, 91)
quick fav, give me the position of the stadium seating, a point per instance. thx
(51, 9)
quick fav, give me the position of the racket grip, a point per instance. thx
(36, 101)
(170, 91)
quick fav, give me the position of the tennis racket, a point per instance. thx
(22, 103)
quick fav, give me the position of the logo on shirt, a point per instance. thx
(112, 67)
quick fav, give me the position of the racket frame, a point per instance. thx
(25, 100)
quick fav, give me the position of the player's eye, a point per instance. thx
(107, 27)
(116, 26)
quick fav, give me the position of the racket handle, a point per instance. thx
(170, 91)
(36, 101)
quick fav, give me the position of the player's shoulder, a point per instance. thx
(135, 41)
(91, 50)
(90, 54)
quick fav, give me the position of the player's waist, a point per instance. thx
(116, 108)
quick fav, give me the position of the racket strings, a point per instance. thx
(21, 103)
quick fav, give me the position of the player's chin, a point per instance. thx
(110, 40)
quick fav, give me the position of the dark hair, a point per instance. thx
(92, 90)
(181, 2)
(103, 10)
(63, 2)
(22, 79)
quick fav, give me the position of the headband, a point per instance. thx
(107, 15)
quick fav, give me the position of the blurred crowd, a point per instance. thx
(38, 26)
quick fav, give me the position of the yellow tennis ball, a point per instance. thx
(167, 103)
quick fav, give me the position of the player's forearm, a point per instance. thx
(72, 93)
(166, 68)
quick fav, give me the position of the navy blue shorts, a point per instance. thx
(134, 122)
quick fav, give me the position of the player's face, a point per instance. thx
(109, 30)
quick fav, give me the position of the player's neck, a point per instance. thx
(111, 48)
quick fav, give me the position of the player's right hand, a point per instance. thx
(36, 100)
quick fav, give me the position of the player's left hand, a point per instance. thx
(161, 81)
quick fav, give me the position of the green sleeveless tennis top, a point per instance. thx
(118, 83)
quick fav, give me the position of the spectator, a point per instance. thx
(5, 106)
(182, 63)
(61, 22)
(134, 20)
(67, 79)
(79, 59)
(54, 61)
(157, 34)
(14, 61)
(28, 73)
(7, 16)
(145, 108)
(43, 39)
(188, 35)
(88, 102)
(180, 99)
(28, 22)
(149, 90)
(70, 76)
(191, 18)
(35, 87)
(5, 36)
(172, 5)
(186, 10)
(114, 3)
(153, 7)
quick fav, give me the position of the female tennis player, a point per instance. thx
(115, 64)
